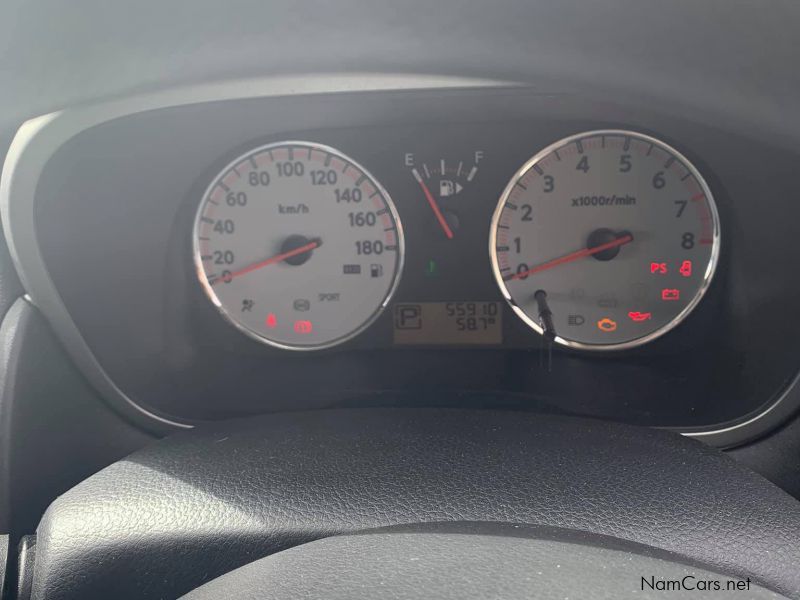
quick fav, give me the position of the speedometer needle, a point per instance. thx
(568, 258)
(434, 206)
(270, 261)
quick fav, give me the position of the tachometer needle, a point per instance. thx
(568, 258)
(434, 206)
(270, 261)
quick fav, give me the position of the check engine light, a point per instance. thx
(607, 324)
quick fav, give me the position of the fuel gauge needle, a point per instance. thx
(434, 206)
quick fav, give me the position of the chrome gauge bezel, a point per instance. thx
(41, 138)
(214, 299)
(708, 275)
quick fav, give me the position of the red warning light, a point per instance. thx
(271, 321)
(658, 268)
(638, 317)
(303, 327)
(686, 268)
(670, 294)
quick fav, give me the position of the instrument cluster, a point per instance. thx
(461, 247)
(591, 244)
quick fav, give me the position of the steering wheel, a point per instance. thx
(418, 503)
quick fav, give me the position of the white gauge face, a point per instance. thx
(298, 245)
(618, 230)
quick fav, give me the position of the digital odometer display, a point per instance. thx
(611, 235)
(448, 323)
(297, 245)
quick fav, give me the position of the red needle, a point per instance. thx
(270, 261)
(620, 241)
(434, 206)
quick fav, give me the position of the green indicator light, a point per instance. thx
(431, 269)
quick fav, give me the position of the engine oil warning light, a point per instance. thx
(638, 317)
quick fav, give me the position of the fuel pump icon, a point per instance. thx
(449, 188)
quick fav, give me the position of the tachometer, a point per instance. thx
(298, 245)
(610, 238)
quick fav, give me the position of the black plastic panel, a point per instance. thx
(56, 430)
(114, 211)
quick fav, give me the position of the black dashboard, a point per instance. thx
(486, 274)
(108, 227)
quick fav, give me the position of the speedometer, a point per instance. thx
(608, 239)
(297, 245)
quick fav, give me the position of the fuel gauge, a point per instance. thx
(442, 181)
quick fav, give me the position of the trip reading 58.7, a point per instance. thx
(448, 323)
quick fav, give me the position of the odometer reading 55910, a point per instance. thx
(448, 323)
(298, 245)
(612, 234)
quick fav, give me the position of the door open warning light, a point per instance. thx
(686, 268)
(638, 317)
(607, 325)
